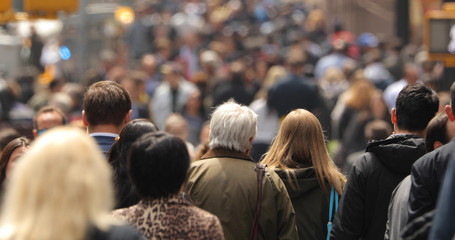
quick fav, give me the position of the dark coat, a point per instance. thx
(362, 213)
(308, 199)
(225, 184)
(426, 176)
(291, 93)
(115, 232)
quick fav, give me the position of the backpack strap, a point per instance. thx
(333, 194)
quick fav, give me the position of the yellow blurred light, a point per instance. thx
(124, 14)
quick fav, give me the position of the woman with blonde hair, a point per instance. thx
(61, 189)
(300, 157)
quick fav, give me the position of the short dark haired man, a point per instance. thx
(46, 118)
(373, 177)
(157, 167)
(428, 172)
(107, 108)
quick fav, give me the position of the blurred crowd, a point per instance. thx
(181, 59)
(207, 84)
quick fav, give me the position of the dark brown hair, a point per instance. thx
(437, 131)
(8, 151)
(106, 102)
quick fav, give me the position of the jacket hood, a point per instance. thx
(306, 181)
(398, 152)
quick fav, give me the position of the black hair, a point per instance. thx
(125, 194)
(158, 163)
(416, 105)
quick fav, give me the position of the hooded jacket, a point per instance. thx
(362, 213)
(311, 203)
(225, 184)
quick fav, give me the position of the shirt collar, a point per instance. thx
(221, 152)
(103, 134)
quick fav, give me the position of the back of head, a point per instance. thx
(437, 131)
(416, 105)
(58, 188)
(292, 147)
(300, 143)
(158, 164)
(377, 129)
(8, 152)
(176, 125)
(132, 131)
(106, 102)
(6, 136)
(232, 126)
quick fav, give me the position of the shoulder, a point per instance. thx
(274, 181)
(366, 160)
(437, 158)
(127, 214)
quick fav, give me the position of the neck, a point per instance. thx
(418, 133)
(109, 128)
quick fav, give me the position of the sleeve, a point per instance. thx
(349, 219)
(420, 198)
(443, 224)
(287, 228)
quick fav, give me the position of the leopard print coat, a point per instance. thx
(171, 218)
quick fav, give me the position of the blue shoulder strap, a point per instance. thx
(331, 203)
(329, 224)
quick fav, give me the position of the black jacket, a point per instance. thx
(363, 208)
(291, 93)
(426, 176)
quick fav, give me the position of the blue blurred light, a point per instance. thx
(65, 53)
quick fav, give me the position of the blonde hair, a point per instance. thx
(359, 94)
(274, 74)
(58, 189)
(300, 141)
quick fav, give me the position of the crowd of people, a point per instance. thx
(232, 120)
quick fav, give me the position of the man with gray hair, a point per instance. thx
(225, 183)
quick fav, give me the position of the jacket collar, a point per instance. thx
(221, 152)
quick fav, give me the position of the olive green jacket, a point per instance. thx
(225, 183)
(311, 203)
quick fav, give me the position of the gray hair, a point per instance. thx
(232, 126)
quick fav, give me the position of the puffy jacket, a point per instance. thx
(311, 203)
(362, 213)
(224, 183)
